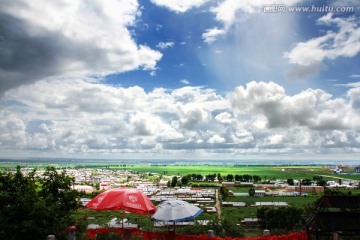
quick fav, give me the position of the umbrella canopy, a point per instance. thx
(128, 199)
(176, 211)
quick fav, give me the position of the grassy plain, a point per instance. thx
(265, 172)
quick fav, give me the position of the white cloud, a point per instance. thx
(179, 5)
(344, 43)
(314, 109)
(79, 116)
(73, 37)
(354, 95)
(165, 45)
(350, 85)
(355, 76)
(12, 130)
(185, 81)
(225, 118)
(228, 12)
(346, 3)
(212, 34)
(216, 139)
(275, 139)
(159, 27)
(153, 73)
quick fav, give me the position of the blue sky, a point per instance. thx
(195, 79)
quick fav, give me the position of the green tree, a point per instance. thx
(185, 179)
(229, 177)
(251, 192)
(319, 180)
(219, 177)
(224, 192)
(288, 218)
(247, 178)
(193, 177)
(198, 229)
(32, 207)
(256, 178)
(174, 181)
(306, 182)
(211, 177)
(290, 181)
(231, 229)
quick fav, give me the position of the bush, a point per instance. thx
(288, 218)
(32, 207)
(232, 229)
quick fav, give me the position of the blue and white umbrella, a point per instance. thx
(176, 211)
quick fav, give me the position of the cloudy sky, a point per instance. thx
(180, 79)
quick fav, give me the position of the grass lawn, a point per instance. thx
(103, 217)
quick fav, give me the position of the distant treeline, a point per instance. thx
(228, 177)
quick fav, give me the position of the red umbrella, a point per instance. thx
(128, 199)
(125, 199)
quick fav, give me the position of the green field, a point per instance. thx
(265, 172)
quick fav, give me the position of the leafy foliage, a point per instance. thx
(319, 180)
(306, 182)
(231, 229)
(32, 207)
(229, 177)
(290, 181)
(185, 179)
(210, 177)
(280, 218)
(251, 192)
(198, 229)
(224, 192)
(174, 181)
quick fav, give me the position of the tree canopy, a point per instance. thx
(33, 207)
(288, 218)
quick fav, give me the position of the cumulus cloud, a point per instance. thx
(344, 43)
(225, 118)
(80, 116)
(314, 109)
(179, 5)
(354, 95)
(41, 40)
(216, 139)
(12, 130)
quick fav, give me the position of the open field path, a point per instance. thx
(217, 203)
(342, 178)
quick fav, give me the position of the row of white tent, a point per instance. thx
(168, 198)
(271, 204)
